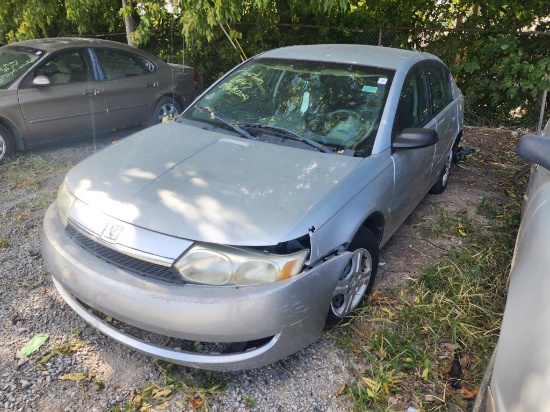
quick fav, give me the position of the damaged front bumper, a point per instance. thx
(283, 317)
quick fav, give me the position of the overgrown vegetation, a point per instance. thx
(427, 345)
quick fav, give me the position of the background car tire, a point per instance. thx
(7, 145)
(166, 106)
(355, 284)
(441, 184)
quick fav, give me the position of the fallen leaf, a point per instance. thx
(161, 392)
(34, 344)
(470, 394)
(162, 406)
(464, 361)
(369, 382)
(341, 390)
(196, 402)
(76, 377)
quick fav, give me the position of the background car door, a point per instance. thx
(131, 87)
(70, 106)
(444, 113)
(413, 167)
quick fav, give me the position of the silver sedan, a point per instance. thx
(242, 230)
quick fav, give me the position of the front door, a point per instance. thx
(71, 106)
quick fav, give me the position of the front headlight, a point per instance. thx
(65, 200)
(225, 265)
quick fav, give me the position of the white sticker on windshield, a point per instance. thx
(305, 102)
(382, 80)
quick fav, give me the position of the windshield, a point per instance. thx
(332, 104)
(14, 61)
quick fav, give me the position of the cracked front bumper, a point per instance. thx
(290, 313)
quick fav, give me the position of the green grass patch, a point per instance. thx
(28, 171)
(426, 345)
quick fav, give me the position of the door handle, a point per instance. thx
(152, 84)
(91, 92)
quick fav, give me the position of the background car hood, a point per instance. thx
(202, 185)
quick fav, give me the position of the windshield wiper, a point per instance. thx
(287, 134)
(213, 115)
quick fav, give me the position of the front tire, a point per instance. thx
(7, 145)
(357, 278)
(166, 107)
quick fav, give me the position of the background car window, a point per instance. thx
(66, 68)
(117, 65)
(440, 85)
(412, 110)
(14, 61)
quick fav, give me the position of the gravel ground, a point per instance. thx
(29, 304)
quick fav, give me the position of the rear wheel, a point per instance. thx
(356, 279)
(7, 145)
(441, 184)
(166, 107)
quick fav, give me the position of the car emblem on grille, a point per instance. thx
(112, 231)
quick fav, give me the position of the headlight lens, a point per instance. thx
(65, 200)
(225, 265)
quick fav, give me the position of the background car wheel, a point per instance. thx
(441, 184)
(357, 278)
(7, 145)
(165, 107)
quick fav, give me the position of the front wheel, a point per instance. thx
(7, 145)
(166, 107)
(357, 278)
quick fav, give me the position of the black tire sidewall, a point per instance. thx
(9, 142)
(162, 101)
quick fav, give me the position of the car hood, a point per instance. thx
(208, 186)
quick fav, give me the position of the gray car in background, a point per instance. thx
(63, 88)
(231, 238)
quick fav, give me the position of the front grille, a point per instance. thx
(138, 266)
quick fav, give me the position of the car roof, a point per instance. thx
(56, 43)
(385, 57)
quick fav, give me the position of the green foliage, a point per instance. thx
(27, 19)
(501, 75)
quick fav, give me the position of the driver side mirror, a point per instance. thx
(41, 81)
(414, 138)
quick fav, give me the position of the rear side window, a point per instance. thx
(413, 108)
(117, 65)
(439, 80)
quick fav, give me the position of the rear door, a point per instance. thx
(71, 106)
(131, 86)
(443, 110)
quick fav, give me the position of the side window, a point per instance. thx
(117, 65)
(412, 110)
(70, 67)
(440, 85)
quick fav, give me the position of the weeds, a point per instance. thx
(185, 390)
(426, 345)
